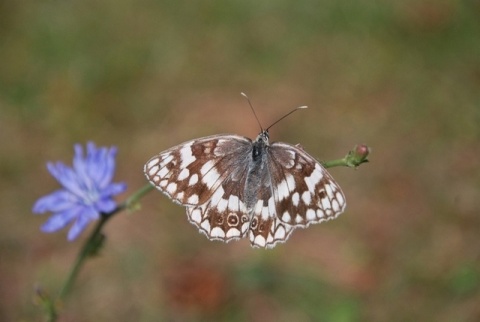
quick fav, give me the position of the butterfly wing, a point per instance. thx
(225, 216)
(304, 193)
(207, 175)
(296, 191)
(266, 232)
(191, 173)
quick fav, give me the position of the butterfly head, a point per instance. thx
(263, 137)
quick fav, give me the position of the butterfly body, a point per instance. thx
(257, 172)
(233, 187)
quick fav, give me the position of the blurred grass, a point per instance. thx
(401, 76)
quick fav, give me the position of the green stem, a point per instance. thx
(86, 251)
(335, 163)
(133, 199)
(47, 302)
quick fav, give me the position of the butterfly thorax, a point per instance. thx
(259, 146)
(256, 181)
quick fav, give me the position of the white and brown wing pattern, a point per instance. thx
(304, 192)
(234, 187)
(294, 191)
(207, 176)
(191, 173)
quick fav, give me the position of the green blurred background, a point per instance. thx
(401, 76)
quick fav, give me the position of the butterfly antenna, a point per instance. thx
(253, 110)
(294, 110)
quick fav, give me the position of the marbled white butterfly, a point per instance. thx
(234, 187)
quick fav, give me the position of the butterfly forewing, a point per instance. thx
(190, 173)
(304, 192)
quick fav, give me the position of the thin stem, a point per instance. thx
(335, 163)
(84, 253)
(47, 302)
(133, 199)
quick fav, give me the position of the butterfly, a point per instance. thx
(233, 187)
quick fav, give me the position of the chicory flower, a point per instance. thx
(87, 190)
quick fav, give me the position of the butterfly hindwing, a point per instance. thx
(224, 216)
(265, 233)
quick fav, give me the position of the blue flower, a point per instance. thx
(87, 190)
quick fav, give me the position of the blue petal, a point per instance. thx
(60, 220)
(67, 178)
(114, 189)
(88, 214)
(78, 157)
(106, 205)
(79, 164)
(57, 201)
(93, 160)
(103, 166)
(80, 167)
(110, 167)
